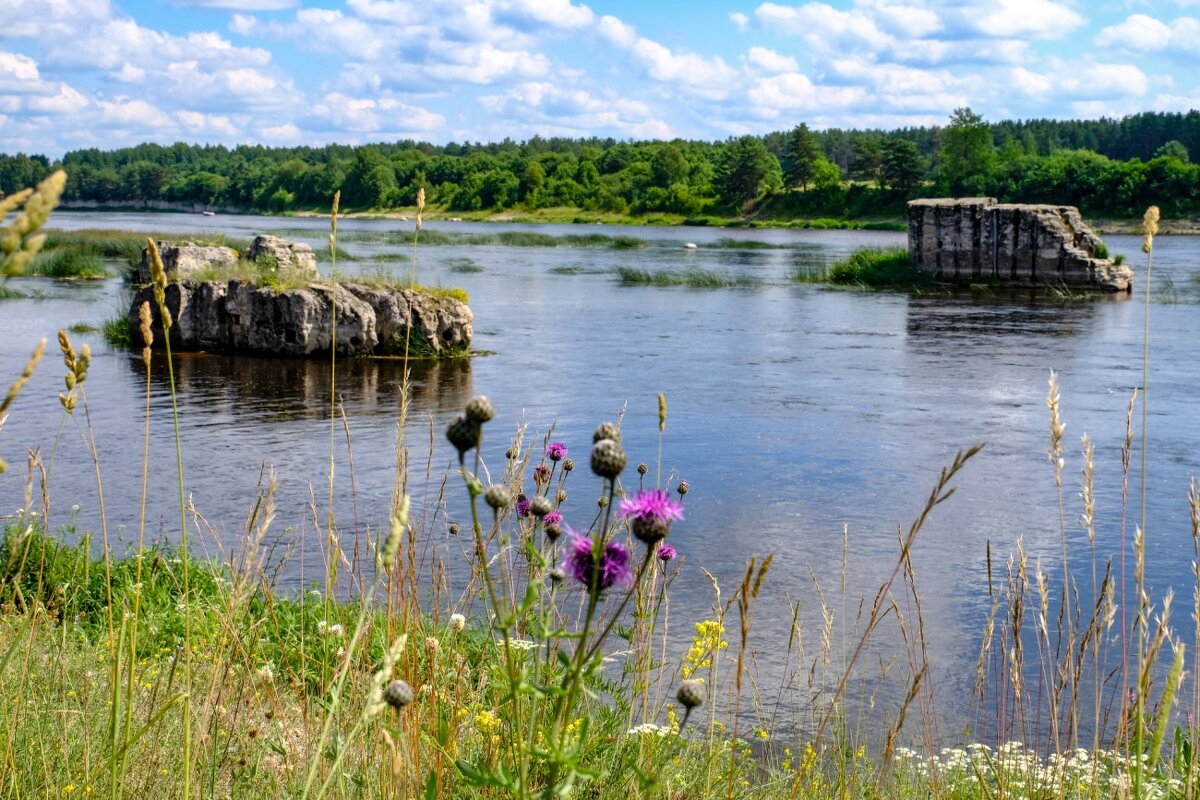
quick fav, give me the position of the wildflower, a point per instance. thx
(553, 517)
(607, 430)
(266, 674)
(691, 693)
(569, 465)
(540, 506)
(457, 622)
(557, 575)
(523, 507)
(398, 694)
(497, 497)
(463, 433)
(541, 474)
(479, 409)
(608, 458)
(649, 728)
(556, 451)
(581, 563)
(433, 645)
(652, 512)
(665, 553)
(643, 468)
(682, 488)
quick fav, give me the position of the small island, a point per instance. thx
(272, 301)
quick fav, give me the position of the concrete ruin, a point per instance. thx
(977, 240)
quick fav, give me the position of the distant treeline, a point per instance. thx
(1103, 166)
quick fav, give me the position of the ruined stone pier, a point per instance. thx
(977, 240)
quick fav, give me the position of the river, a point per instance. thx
(802, 417)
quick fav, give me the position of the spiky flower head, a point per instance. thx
(643, 468)
(463, 433)
(665, 552)
(557, 575)
(691, 693)
(568, 465)
(682, 488)
(398, 694)
(556, 451)
(552, 517)
(480, 409)
(553, 531)
(651, 513)
(608, 458)
(540, 506)
(601, 570)
(523, 504)
(606, 430)
(497, 497)
(541, 474)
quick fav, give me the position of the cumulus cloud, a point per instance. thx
(1140, 33)
(739, 20)
(241, 5)
(767, 59)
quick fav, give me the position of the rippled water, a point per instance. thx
(801, 416)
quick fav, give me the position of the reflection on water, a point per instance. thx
(265, 390)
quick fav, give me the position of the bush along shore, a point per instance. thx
(153, 673)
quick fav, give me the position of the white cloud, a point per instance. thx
(616, 32)
(128, 73)
(130, 112)
(1021, 18)
(769, 60)
(65, 101)
(825, 28)
(796, 92)
(740, 21)
(241, 5)
(17, 71)
(369, 115)
(287, 133)
(205, 124)
(1082, 82)
(562, 14)
(1031, 83)
(1140, 33)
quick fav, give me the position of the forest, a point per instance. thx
(1105, 167)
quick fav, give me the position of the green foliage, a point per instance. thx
(804, 156)
(880, 269)
(69, 262)
(967, 154)
(116, 331)
(746, 170)
(693, 278)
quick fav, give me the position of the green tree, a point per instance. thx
(668, 166)
(1173, 149)
(967, 154)
(746, 170)
(803, 154)
(902, 165)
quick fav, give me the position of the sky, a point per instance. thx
(113, 73)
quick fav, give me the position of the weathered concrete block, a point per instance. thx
(1021, 245)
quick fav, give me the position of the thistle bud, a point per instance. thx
(643, 469)
(497, 497)
(608, 458)
(399, 694)
(691, 693)
(606, 430)
(540, 506)
(463, 433)
(479, 409)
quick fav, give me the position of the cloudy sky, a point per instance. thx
(109, 73)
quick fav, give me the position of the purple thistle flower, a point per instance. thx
(523, 507)
(665, 552)
(580, 563)
(556, 451)
(553, 517)
(652, 505)
(541, 474)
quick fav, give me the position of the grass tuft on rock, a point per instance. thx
(879, 269)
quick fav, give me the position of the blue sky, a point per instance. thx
(111, 73)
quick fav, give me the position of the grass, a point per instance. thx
(123, 244)
(879, 269)
(463, 266)
(116, 331)
(69, 263)
(433, 238)
(325, 255)
(693, 278)
(390, 258)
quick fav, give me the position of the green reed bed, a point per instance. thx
(692, 277)
(69, 263)
(501, 238)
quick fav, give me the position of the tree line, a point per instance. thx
(1103, 166)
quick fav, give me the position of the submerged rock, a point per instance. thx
(977, 239)
(242, 317)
